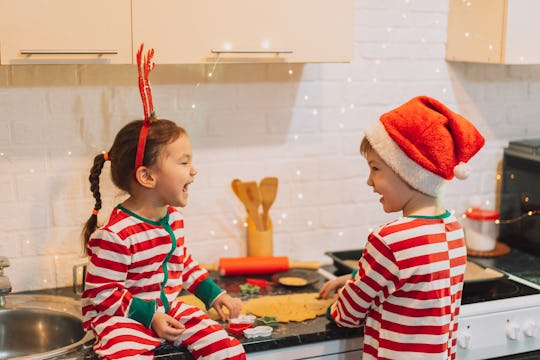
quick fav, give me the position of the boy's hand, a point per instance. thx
(234, 305)
(167, 327)
(333, 286)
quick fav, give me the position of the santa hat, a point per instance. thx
(425, 143)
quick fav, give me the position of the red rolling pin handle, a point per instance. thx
(253, 265)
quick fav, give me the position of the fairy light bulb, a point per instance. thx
(291, 72)
(265, 44)
(299, 196)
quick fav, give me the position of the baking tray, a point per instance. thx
(346, 261)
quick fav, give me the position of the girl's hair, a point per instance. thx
(122, 155)
(365, 146)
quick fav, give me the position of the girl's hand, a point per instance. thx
(234, 305)
(167, 327)
(333, 286)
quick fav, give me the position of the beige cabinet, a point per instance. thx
(494, 31)
(206, 31)
(65, 31)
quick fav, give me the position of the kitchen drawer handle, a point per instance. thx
(251, 51)
(68, 52)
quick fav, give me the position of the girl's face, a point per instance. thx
(174, 172)
(396, 193)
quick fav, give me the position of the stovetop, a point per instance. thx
(495, 290)
(517, 262)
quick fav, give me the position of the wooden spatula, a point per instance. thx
(248, 192)
(235, 184)
(268, 188)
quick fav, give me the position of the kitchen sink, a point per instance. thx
(41, 327)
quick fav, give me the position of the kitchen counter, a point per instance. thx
(318, 330)
(284, 336)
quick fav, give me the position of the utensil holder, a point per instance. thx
(260, 242)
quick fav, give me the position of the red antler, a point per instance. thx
(144, 69)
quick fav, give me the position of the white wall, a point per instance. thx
(247, 122)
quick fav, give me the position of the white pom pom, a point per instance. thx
(462, 171)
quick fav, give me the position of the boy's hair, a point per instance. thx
(365, 146)
(122, 155)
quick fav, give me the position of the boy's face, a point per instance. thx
(395, 193)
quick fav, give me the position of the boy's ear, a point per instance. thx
(144, 177)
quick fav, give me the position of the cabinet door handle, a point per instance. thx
(68, 52)
(252, 51)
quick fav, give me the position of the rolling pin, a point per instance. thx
(252, 265)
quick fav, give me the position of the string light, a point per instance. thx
(512, 220)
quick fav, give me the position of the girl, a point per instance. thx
(138, 261)
(407, 290)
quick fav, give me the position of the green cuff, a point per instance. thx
(142, 311)
(353, 275)
(329, 314)
(208, 291)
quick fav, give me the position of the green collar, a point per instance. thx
(160, 222)
(442, 216)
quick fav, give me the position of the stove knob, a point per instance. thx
(464, 339)
(530, 328)
(512, 330)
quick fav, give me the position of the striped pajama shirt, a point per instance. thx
(407, 291)
(138, 267)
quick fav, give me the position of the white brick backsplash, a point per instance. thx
(247, 121)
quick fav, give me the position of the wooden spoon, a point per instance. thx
(268, 188)
(235, 184)
(248, 192)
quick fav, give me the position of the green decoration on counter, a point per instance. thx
(268, 321)
(248, 289)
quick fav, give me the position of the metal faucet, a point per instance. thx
(5, 284)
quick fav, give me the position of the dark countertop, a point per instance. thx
(284, 335)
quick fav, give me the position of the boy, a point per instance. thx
(408, 286)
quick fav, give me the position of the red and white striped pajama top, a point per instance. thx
(407, 290)
(137, 267)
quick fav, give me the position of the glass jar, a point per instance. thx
(481, 229)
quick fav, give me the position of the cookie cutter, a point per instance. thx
(258, 331)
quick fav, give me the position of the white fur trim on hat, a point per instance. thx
(410, 171)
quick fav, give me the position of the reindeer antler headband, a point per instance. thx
(144, 68)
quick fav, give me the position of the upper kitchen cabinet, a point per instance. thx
(206, 31)
(493, 31)
(65, 31)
